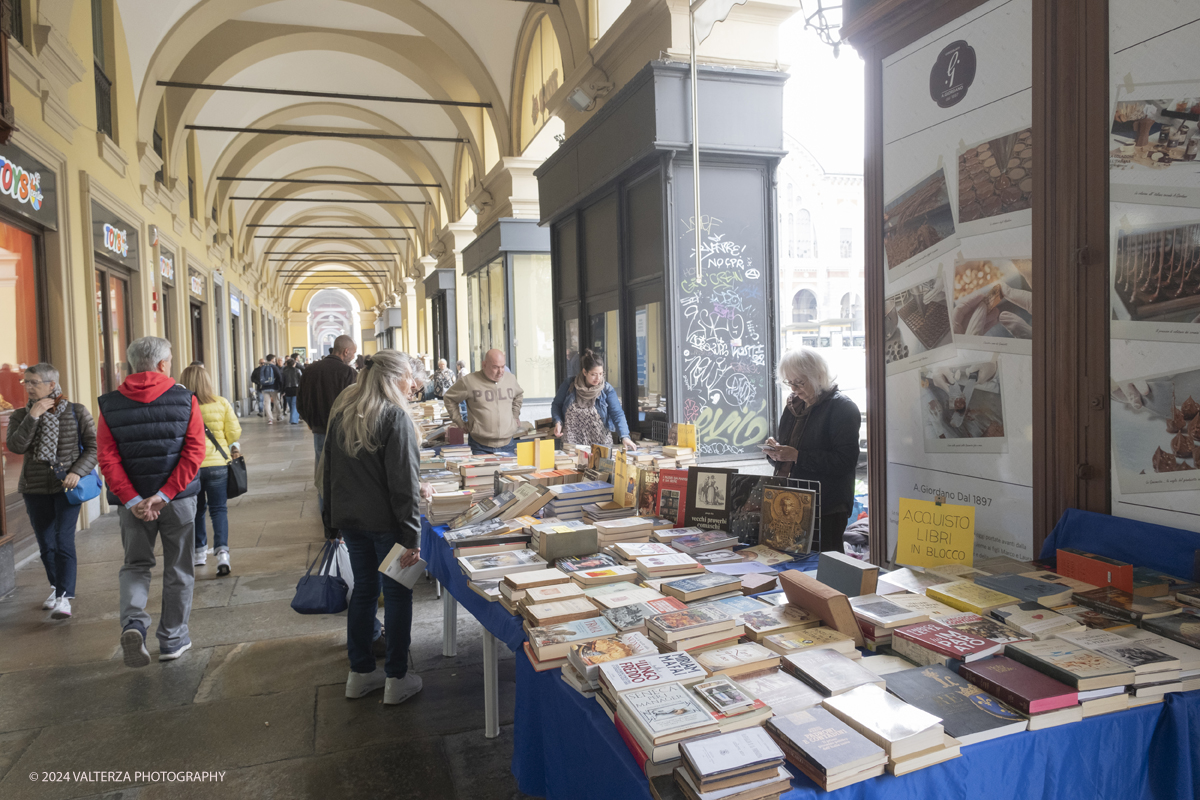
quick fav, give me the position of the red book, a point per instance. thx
(635, 749)
(672, 494)
(932, 643)
(1094, 569)
(1022, 687)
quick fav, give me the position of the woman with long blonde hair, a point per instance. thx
(370, 482)
(221, 424)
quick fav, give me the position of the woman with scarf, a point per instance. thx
(818, 439)
(58, 440)
(586, 409)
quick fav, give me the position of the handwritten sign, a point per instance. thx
(930, 534)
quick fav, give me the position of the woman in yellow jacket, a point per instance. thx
(223, 424)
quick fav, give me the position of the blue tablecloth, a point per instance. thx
(441, 565)
(1169, 550)
(566, 748)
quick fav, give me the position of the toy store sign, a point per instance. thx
(113, 237)
(28, 187)
(166, 264)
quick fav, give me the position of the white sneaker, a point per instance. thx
(361, 684)
(200, 559)
(62, 609)
(51, 601)
(174, 654)
(400, 689)
(223, 563)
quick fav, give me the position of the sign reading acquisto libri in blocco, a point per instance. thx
(930, 534)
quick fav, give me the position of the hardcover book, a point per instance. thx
(930, 643)
(968, 713)
(737, 659)
(1094, 569)
(980, 627)
(1022, 687)
(888, 721)
(667, 713)
(708, 498)
(1123, 605)
(829, 672)
(672, 494)
(765, 555)
(635, 673)
(1027, 590)
(1078, 667)
(746, 505)
(824, 748)
(968, 596)
(788, 518)
(849, 575)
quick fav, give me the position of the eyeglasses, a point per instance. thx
(32, 382)
(797, 384)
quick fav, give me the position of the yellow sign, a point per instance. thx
(932, 534)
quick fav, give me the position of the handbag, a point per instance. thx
(345, 571)
(325, 592)
(235, 467)
(89, 485)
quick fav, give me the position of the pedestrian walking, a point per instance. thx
(292, 373)
(221, 428)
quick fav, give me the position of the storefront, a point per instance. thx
(28, 210)
(115, 245)
(618, 195)
(237, 337)
(197, 294)
(167, 300)
(508, 267)
(443, 315)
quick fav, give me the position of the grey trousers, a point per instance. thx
(175, 524)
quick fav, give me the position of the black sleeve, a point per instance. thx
(327, 482)
(841, 455)
(402, 460)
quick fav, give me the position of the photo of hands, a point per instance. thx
(962, 408)
(1156, 432)
(916, 326)
(993, 304)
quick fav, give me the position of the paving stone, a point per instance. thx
(425, 652)
(420, 772)
(207, 736)
(482, 767)
(256, 621)
(268, 468)
(36, 698)
(41, 642)
(450, 702)
(248, 669)
(264, 588)
(12, 745)
(278, 486)
(93, 547)
(259, 560)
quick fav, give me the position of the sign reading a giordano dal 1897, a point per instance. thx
(930, 534)
(28, 187)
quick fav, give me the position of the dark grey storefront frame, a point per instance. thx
(643, 133)
(507, 238)
(440, 290)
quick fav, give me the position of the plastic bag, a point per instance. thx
(339, 565)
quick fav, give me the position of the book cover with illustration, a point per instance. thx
(788, 519)
(708, 498)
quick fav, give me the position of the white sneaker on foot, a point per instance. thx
(200, 559)
(361, 684)
(223, 563)
(133, 645)
(174, 654)
(51, 601)
(400, 689)
(62, 609)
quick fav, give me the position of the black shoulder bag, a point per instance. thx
(235, 466)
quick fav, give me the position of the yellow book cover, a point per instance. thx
(526, 455)
(686, 436)
(968, 596)
(621, 472)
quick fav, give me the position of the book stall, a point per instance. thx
(673, 638)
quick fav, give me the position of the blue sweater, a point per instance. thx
(608, 406)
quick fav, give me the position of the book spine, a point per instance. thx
(916, 652)
(635, 749)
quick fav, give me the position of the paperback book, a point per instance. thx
(968, 713)
(707, 503)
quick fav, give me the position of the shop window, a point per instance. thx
(104, 86)
(805, 247)
(651, 358)
(112, 328)
(571, 349)
(16, 21)
(605, 332)
(533, 327)
(19, 333)
(804, 306)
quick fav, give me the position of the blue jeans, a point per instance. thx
(483, 449)
(53, 520)
(214, 492)
(290, 404)
(367, 551)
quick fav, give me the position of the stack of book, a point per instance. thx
(625, 529)
(563, 539)
(582, 670)
(708, 585)
(1043, 700)
(703, 541)
(932, 643)
(446, 505)
(513, 587)
(744, 764)
(541, 615)
(737, 659)
(619, 677)
(570, 498)
(693, 628)
(668, 535)
(780, 619)
(632, 618)
(603, 575)
(489, 536)
(534, 598)
(981, 627)
(1155, 673)
(477, 474)
(456, 451)
(733, 706)
(878, 616)
(668, 566)
(547, 647)
(830, 752)
(655, 719)
(620, 593)
(497, 565)
(608, 510)
(912, 739)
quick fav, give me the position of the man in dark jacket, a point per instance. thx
(292, 373)
(270, 381)
(151, 443)
(322, 383)
(255, 374)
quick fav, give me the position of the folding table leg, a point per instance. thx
(449, 625)
(491, 688)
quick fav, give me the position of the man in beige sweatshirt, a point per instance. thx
(493, 399)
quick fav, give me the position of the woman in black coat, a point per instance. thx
(817, 439)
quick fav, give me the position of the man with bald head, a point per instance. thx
(493, 399)
(320, 385)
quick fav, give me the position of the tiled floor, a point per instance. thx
(259, 696)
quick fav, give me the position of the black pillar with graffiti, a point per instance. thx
(679, 346)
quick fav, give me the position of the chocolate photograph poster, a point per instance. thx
(995, 184)
(918, 225)
(992, 307)
(1156, 432)
(916, 326)
(962, 409)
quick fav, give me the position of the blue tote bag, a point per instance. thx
(325, 592)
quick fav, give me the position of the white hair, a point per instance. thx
(361, 404)
(145, 354)
(44, 371)
(805, 363)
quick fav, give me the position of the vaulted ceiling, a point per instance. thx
(465, 51)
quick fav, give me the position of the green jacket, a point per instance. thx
(37, 477)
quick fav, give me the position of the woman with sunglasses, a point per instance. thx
(817, 439)
(58, 439)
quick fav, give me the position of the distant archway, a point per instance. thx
(804, 306)
(332, 313)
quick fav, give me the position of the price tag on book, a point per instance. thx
(931, 534)
(562, 529)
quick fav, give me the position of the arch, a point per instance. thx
(852, 309)
(537, 76)
(332, 311)
(804, 306)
